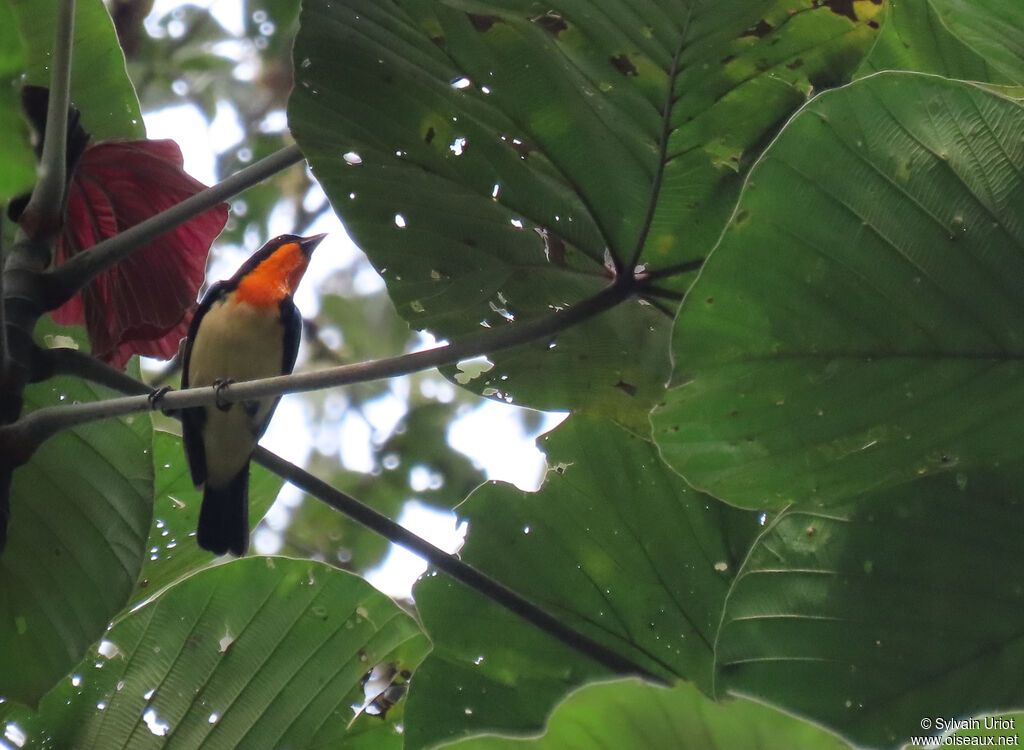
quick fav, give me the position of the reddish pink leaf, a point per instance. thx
(142, 305)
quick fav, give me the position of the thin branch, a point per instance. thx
(45, 208)
(34, 428)
(452, 566)
(63, 361)
(70, 277)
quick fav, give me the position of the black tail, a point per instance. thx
(224, 516)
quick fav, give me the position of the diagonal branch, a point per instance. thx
(32, 429)
(452, 566)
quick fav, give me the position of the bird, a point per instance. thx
(245, 327)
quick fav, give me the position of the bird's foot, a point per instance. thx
(220, 385)
(156, 396)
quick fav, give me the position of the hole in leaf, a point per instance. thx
(624, 65)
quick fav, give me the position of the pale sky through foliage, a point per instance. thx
(490, 434)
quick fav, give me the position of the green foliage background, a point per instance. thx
(799, 484)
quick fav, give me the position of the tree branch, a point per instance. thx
(451, 566)
(32, 429)
(71, 276)
(43, 216)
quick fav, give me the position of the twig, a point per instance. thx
(451, 566)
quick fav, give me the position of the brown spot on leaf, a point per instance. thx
(551, 22)
(429, 135)
(628, 388)
(482, 22)
(623, 64)
(797, 63)
(760, 29)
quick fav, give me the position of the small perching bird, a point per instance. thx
(245, 328)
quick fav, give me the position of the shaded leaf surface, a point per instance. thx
(99, 84)
(15, 151)
(915, 36)
(615, 545)
(257, 653)
(869, 616)
(634, 714)
(992, 28)
(860, 324)
(80, 509)
(497, 161)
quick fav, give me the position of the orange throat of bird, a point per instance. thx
(275, 278)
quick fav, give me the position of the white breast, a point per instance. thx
(235, 341)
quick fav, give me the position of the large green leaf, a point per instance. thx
(872, 616)
(915, 37)
(80, 509)
(500, 160)
(632, 714)
(171, 551)
(99, 84)
(257, 653)
(992, 27)
(614, 545)
(15, 152)
(860, 323)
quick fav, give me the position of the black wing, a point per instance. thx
(292, 322)
(192, 420)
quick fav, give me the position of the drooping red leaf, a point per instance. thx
(143, 304)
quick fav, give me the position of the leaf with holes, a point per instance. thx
(262, 652)
(498, 161)
(860, 323)
(614, 545)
